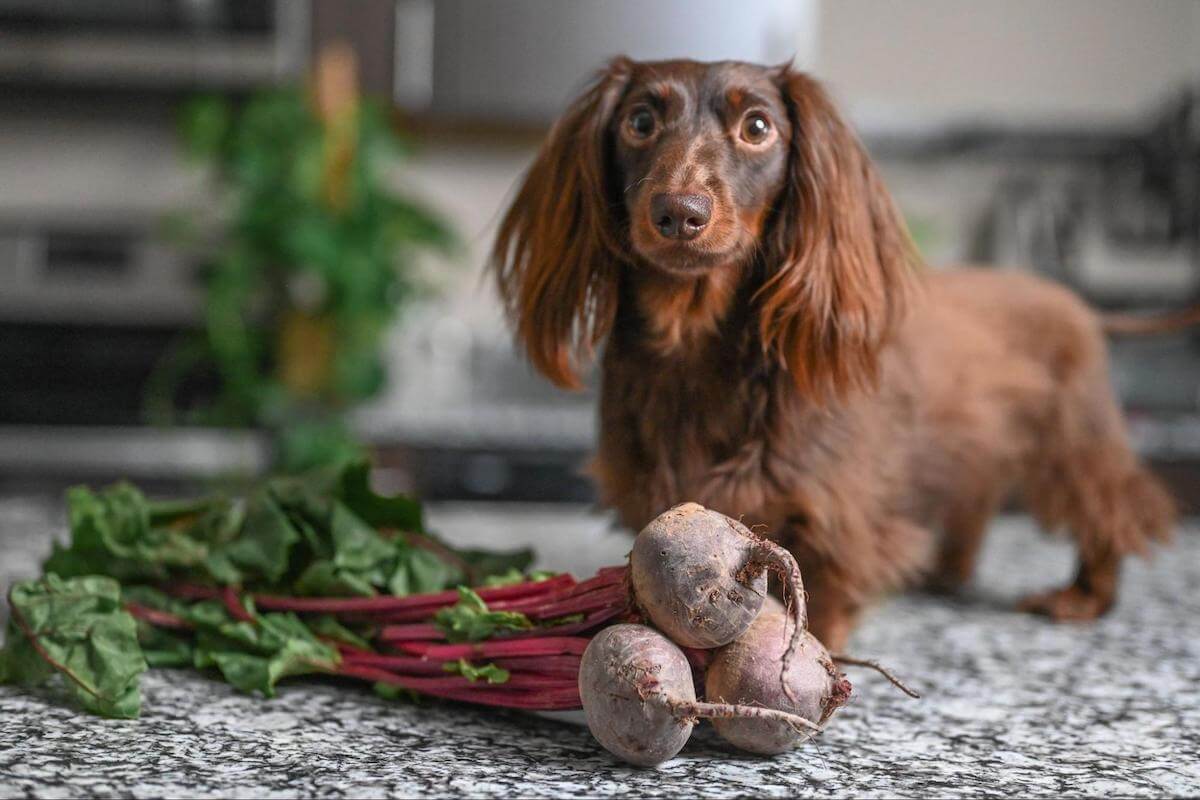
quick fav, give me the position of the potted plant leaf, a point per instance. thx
(311, 264)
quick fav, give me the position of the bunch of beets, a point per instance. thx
(154, 585)
(700, 579)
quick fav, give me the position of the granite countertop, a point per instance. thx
(1013, 705)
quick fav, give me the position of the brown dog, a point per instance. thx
(774, 349)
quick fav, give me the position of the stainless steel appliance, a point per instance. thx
(90, 293)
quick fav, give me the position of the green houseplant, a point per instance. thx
(311, 264)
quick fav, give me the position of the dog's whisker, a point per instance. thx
(635, 184)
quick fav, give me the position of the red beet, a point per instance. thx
(747, 671)
(639, 699)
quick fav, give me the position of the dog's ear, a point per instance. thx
(557, 253)
(840, 265)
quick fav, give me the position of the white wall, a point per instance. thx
(1041, 62)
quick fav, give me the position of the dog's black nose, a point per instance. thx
(680, 216)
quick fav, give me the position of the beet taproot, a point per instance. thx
(639, 699)
(746, 672)
(701, 576)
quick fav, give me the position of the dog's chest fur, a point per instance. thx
(687, 413)
(715, 420)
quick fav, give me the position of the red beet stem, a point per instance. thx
(191, 591)
(538, 646)
(565, 666)
(389, 604)
(554, 584)
(405, 665)
(348, 649)
(411, 633)
(233, 605)
(600, 580)
(400, 617)
(606, 577)
(609, 597)
(425, 632)
(549, 694)
(447, 682)
(160, 619)
(545, 607)
(517, 681)
(566, 699)
(572, 628)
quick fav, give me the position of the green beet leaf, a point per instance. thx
(308, 495)
(221, 521)
(75, 627)
(265, 544)
(418, 571)
(488, 672)
(252, 673)
(397, 511)
(255, 655)
(359, 561)
(113, 533)
(327, 626)
(358, 546)
(179, 513)
(491, 562)
(315, 533)
(514, 576)
(324, 579)
(119, 520)
(510, 577)
(469, 620)
(389, 692)
(318, 542)
(163, 648)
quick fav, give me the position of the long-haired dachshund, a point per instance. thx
(774, 349)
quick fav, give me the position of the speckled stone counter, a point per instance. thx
(1013, 705)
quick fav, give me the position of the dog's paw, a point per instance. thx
(1070, 604)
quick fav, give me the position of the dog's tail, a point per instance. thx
(1143, 325)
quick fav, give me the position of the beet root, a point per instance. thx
(625, 671)
(639, 698)
(747, 672)
(701, 577)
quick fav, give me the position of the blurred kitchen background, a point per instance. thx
(1058, 136)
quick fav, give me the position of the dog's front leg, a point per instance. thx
(832, 610)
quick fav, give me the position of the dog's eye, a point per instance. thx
(755, 128)
(642, 123)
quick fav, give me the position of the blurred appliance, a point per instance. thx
(521, 60)
(151, 43)
(468, 418)
(92, 294)
(88, 158)
(1121, 225)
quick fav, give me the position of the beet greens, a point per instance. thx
(315, 574)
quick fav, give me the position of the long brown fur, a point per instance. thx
(818, 383)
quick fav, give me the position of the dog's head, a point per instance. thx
(692, 173)
(700, 153)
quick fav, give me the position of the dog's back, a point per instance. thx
(1016, 397)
